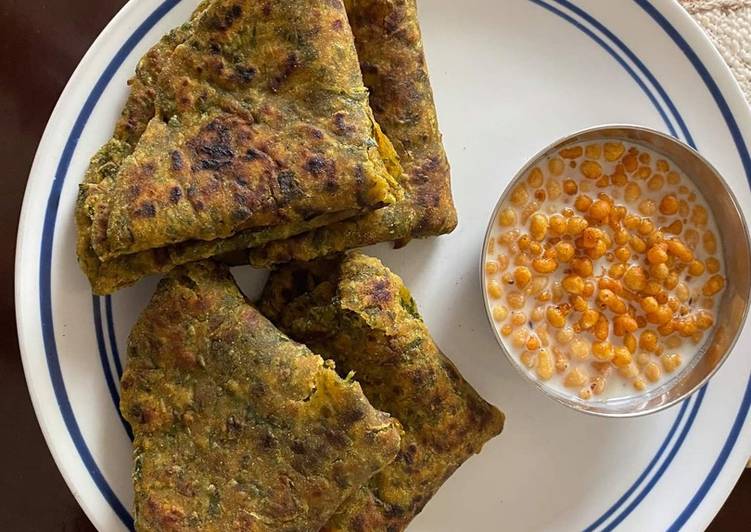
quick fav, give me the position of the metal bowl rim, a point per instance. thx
(582, 406)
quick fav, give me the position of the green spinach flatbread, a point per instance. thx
(261, 130)
(236, 426)
(355, 311)
(389, 46)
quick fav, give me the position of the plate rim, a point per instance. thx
(728, 90)
(69, 472)
(25, 225)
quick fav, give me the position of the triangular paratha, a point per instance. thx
(355, 311)
(389, 45)
(261, 130)
(236, 426)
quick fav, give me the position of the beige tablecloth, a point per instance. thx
(728, 23)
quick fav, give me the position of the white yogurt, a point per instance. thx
(616, 384)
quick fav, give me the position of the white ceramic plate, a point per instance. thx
(509, 77)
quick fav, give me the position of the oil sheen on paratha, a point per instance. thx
(355, 311)
(236, 426)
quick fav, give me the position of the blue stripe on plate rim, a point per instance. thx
(113, 381)
(740, 145)
(124, 51)
(45, 263)
(663, 448)
(664, 115)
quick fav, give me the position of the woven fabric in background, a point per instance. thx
(728, 23)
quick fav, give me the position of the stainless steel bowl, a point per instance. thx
(737, 256)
